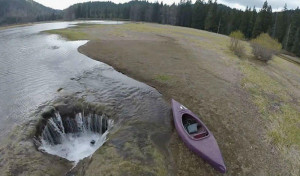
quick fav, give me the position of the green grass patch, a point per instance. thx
(69, 33)
(261, 82)
(163, 78)
(276, 108)
(287, 128)
(81, 25)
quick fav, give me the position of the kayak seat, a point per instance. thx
(201, 135)
(192, 128)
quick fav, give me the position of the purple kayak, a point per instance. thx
(197, 137)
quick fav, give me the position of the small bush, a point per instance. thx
(235, 43)
(237, 35)
(261, 53)
(264, 47)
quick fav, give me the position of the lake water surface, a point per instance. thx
(35, 65)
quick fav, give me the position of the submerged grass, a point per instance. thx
(109, 161)
(69, 33)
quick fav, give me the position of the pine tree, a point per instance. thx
(268, 20)
(180, 13)
(291, 31)
(253, 17)
(235, 20)
(220, 19)
(296, 44)
(245, 24)
(263, 21)
(188, 11)
(156, 13)
(198, 14)
(184, 13)
(210, 20)
(282, 24)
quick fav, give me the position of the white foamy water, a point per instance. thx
(70, 138)
(74, 148)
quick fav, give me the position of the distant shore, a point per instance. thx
(15, 25)
(8, 26)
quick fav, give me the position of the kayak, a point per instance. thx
(197, 137)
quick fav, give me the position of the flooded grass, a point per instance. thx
(136, 157)
(70, 34)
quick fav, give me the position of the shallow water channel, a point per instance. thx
(38, 70)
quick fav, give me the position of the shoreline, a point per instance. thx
(15, 26)
(9, 26)
(196, 68)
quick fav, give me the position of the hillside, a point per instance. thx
(22, 11)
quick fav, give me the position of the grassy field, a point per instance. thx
(197, 68)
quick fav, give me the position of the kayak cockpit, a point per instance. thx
(193, 127)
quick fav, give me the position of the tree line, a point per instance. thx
(23, 11)
(211, 16)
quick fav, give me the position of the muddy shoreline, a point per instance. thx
(204, 79)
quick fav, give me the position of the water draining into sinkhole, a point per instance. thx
(74, 138)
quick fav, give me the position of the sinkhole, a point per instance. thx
(72, 136)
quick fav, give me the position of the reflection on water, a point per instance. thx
(33, 66)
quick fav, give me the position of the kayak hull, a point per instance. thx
(206, 146)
